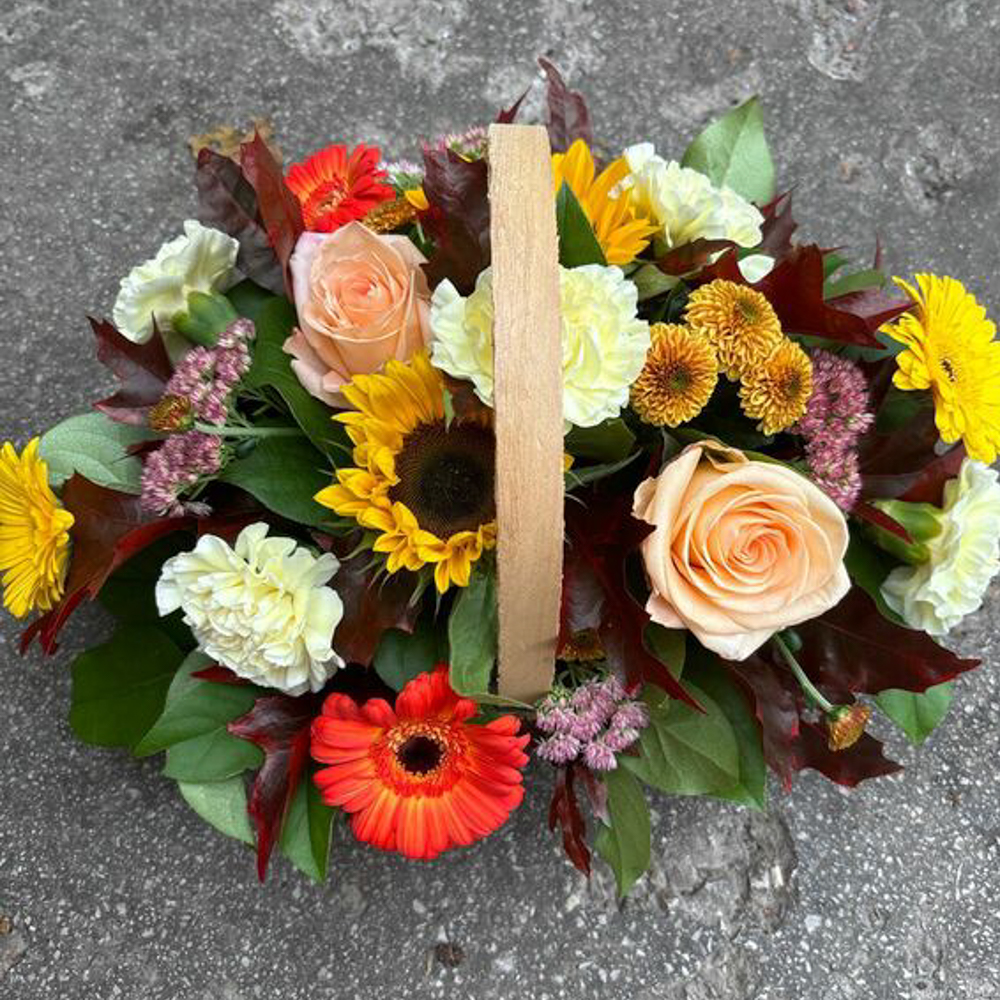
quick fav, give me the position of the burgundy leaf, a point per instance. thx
(509, 115)
(928, 487)
(864, 759)
(226, 201)
(278, 207)
(220, 675)
(564, 812)
(279, 725)
(779, 226)
(691, 256)
(879, 518)
(142, 370)
(853, 647)
(569, 118)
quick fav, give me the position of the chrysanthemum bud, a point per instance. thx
(845, 725)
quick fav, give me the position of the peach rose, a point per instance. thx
(741, 549)
(362, 299)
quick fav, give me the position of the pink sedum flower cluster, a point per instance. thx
(836, 417)
(592, 724)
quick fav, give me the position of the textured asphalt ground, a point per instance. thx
(884, 116)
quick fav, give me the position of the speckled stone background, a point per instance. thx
(884, 115)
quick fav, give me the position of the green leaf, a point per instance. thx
(272, 368)
(609, 441)
(651, 281)
(625, 845)
(900, 408)
(593, 473)
(472, 633)
(223, 804)
(401, 656)
(733, 151)
(715, 680)
(97, 447)
(195, 707)
(305, 836)
(119, 687)
(918, 715)
(684, 751)
(868, 566)
(577, 243)
(284, 474)
(859, 281)
(249, 299)
(213, 756)
(668, 645)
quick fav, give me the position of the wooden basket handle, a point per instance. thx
(528, 411)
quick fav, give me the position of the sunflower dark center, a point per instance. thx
(419, 754)
(446, 477)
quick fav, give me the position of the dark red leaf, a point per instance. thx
(373, 602)
(220, 675)
(879, 518)
(278, 207)
(725, 268)
(779, 226)
(109, 527)
(279, 725)
(508, 115)
(564, 812)
(864, 759)
(928, 487)
(226, 201)
(691, 256)
(568, 118)
(853, 647)
(600, 535)
(142, 370)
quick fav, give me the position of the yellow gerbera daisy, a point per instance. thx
(777, 391)
(951, 351)
(34, 533)
(739, 321)
(425, 487)
(678, 378)
(622, 234)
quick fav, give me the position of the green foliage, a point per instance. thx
(609, 441)
(577, 243)
(859, 281)
(284, 474)
(305, 836)
(918, 715)
(625, 844)
(684, 751)
(271, 368)
(249, 299)
(212, 756)
(868, 566)
(401, 656)
(119, 687)
(472, 632)
(593, 473)
(900, 408)
(668, 645)
(223, 804)
(651, 281)
(733, 151)
(97, 447)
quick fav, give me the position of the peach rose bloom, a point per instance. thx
(741, 548)
(361, 299)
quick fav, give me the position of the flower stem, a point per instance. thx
(810, 689)
(248, 432)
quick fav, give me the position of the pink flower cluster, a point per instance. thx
(593, 723)
(206, 376)
(200, 386)
(471, 143)
(837, 415)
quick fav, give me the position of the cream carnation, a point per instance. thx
(963, 557)
(260, 608)
(604, 342)
(201, 260)
(685, 204)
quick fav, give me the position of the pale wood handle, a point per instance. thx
(527, 401)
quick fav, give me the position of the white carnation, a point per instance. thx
(260, 608)
(604, 342)
(685, 204)
(936, 595)
(201, 260)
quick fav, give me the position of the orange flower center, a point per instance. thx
(424, 757)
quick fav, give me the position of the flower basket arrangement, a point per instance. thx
(416, 471)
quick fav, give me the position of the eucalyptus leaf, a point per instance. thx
(577, 243)
(223, 804)
(97, 447)
(472, 633)
(626, 844)
(918, 715)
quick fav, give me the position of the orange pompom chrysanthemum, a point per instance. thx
(335, 187)
(418, 779)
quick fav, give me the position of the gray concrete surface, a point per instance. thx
(883, 114)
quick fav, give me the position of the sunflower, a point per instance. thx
(418, 779)
(34, 533)
(335, 187)
(951, 351)
(777, 391)
(621, 233)
(423, 485)
(678, 378)
(739, 321)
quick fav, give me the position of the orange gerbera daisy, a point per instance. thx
(335, 187)
(418, 779)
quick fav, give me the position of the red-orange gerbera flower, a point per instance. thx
(418, 779)
(335, 188)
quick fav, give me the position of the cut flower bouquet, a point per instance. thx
(776, 468)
